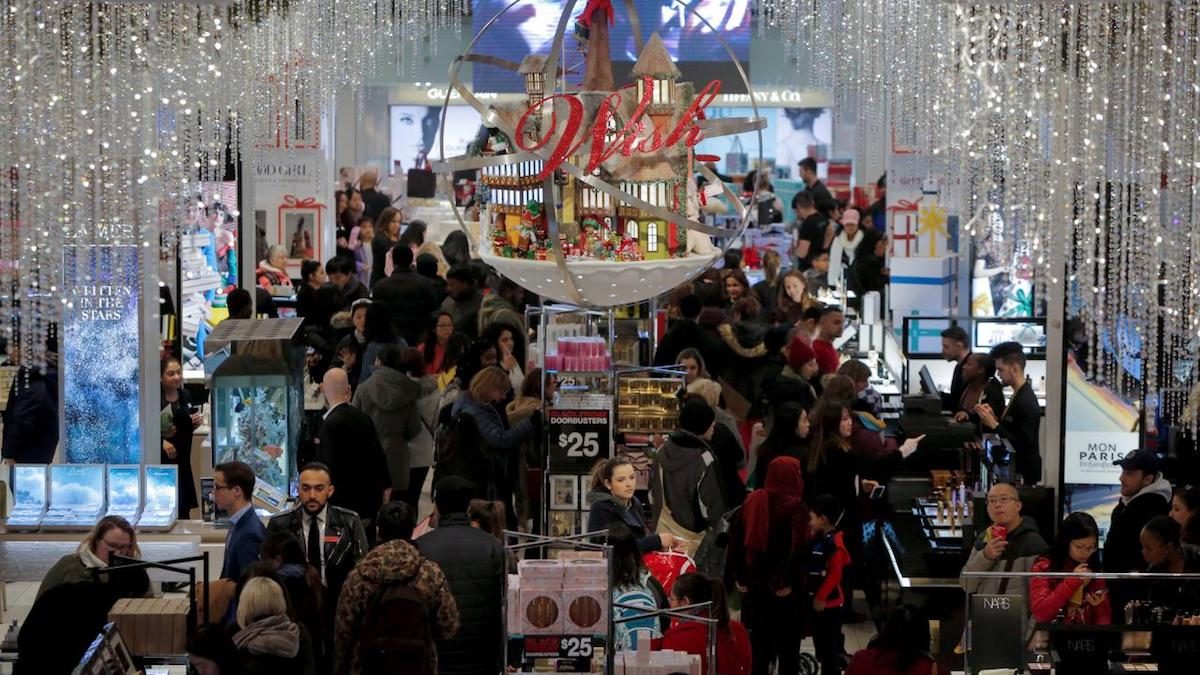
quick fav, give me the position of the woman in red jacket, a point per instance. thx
(733, 643)
(901, 648)
(1070, 599)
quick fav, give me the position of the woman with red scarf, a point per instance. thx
(768, 543)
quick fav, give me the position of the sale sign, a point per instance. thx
(579, 437)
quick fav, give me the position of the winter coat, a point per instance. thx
(389, 398)
(474, 565)
(465, 313)
(684, 479)
(73, 569)
(726, 445)
(31, 419)
(410, 299)
(499, 444)
(273, 645)
(391, 562)
(1049, 595)
(495, 309)
(269, 276)
(349, 445)
(420, 449)
(1122, 546)
(604, 510)
(686, 334)
(745, 361)
(1181, 595)
(733, 645)
(1025, 545)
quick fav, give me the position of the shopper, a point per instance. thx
(685, 334)
(611, 499)
(685, 489)
(505, 304)
(350, 446)
(387, 236)
(869, 273)
(828, 560)
(1145, 493)
(536, 393)
(788, 437)
(767, 291)
(726, 443)
(829, 329)
(768, 544)
(510, 349)
(634, 591)
(395, 605)
(737, 287)
(793, 297)
(309, 604)
(844, 248)
(379, 334)
(409, 297)
(350, 350)
(113, 535)
(233, 488)
(427, 267)
(744, 337)
(334, 538)
(341, 273)
(177, 438)
(456, 248)
(794, 382)
(1072, 600)
(268, 642)
(374, 201)
(421, 446)
(442, 347)
(1165, 553)
(317, 300)
(1011, 544)
(810, 230)
(694, 366)
(474, 564)
(956, 347)
(866, 399)
(979, 386)
(272, 272)
(364, 252)
(30, 420)
(1185, 506)
(390, 399)
(901, 648)
(210, 650)
(1018, 423)
(463, 300)
(733, 643)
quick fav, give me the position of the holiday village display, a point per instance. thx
(588, 193)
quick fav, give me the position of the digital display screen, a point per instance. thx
(797, 132)
(416, 133)
(77, 487)
(161, 488)
(528, 28)
(124, 488)
(1030, 334)
(29, 486)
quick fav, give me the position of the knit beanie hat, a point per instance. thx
(799, 353)
(696, 416)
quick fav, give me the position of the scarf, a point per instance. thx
(780, 498)
(270, 636)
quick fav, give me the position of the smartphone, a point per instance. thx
(877, 492)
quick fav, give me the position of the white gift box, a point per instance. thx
(923, 284)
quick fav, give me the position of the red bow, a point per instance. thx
(290, 202)
(585, 17)
(905, 205)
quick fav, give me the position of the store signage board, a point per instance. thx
(1088, 456)
(996, 630)
(100, 363)
(579, 437)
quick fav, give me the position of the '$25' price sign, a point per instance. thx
(578, 438)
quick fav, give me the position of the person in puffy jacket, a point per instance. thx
(1075, 600)
(389, 397)
(612, 500)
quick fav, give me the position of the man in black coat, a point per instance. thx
(1019, 421)
(955, 347)
(474, 564)
(686, 333)
(1144, 495)
(31, 419)
(374, 201)
(409, 297)
(349, 445)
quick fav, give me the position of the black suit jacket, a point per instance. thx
(345, 541)
(957, 387)
(1019, 425)
(349, 445)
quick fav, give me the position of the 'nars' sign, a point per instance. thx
(1088, 456)
(996, 631)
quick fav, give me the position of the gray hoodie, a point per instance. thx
(389, 398)
(693, 488)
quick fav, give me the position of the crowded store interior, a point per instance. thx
(719, 337)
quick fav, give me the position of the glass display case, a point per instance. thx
(162, 489)
(648, 405)
(125, 491)
(76, 496)
(29, 497)
(256, 408)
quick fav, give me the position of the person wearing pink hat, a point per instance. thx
(845, 245)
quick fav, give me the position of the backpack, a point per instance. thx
(395, 635)
(458, 451)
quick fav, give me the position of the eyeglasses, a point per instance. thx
(218, 487)
(1000, 501)
(122, 547)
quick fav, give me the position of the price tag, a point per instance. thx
(578, 438)
(575, 647)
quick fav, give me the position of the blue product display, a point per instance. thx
(162, 490)
(29, 496)
(76, 496)
(125, 491)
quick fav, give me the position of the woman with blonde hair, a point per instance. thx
(268, 641)
(432, 248)
(113, 535)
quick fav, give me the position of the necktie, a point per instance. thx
(315, 557)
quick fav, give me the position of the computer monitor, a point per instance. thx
(928, 386)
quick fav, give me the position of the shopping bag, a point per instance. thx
(667, 566)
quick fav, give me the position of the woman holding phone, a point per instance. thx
(510, 351)
(180, 419)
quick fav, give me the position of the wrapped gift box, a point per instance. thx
(923, 284)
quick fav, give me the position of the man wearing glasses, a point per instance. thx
(233, 485)
(1011, 544)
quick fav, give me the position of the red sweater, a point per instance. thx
(733, 645)
(1048, 595)
(827, 356)
(873, 661)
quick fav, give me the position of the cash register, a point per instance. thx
(923, 416)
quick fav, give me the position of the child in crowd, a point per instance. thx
(818, 276)
(828, 560)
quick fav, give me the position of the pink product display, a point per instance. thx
(541, 574)
(585, 574)
(645, 662)
(579, 354)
